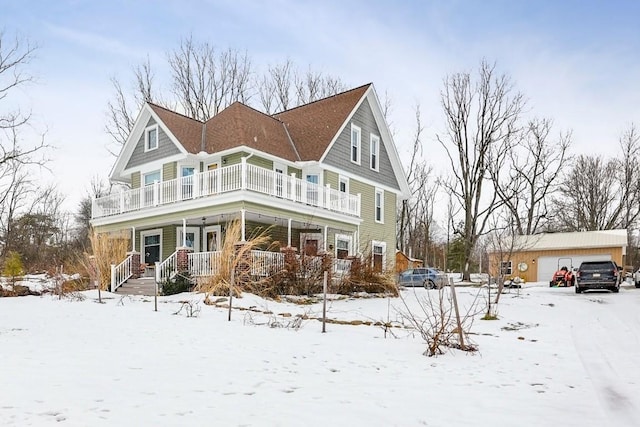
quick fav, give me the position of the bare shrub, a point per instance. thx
(363, 277)
(107, 249)
(189, 308)
(233, 257)
(434, 319)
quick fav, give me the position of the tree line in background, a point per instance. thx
(509, 174)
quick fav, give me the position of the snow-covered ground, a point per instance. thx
(552, 358)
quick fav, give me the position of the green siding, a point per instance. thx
(233, 159)
(291, 170)
(260, 162)
(331, 178)
(169, 171)
(169, 244)
(370, 229)
(135, 180)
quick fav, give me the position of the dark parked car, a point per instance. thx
(428, 277)
(598, 275)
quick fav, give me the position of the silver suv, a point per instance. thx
(598, 275)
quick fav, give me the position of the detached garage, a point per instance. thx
(535, 258)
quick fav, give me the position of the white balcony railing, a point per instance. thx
(237, 177)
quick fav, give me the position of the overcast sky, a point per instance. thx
(575, 61)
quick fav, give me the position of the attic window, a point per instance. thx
(355, 144)
(151, 138)
(374, 149)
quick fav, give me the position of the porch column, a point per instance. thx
(242, 224)
(243, 174)
(135, 264)
(182, 259)
(133, 239)
(326, 230)
(289, 233)
(184, 232)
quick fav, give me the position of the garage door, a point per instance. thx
(548, 265)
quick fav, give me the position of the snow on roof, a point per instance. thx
(573, 240)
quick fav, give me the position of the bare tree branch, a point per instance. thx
(482, 119)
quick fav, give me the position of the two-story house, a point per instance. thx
(324, 176)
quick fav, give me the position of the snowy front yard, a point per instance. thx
(552, 358)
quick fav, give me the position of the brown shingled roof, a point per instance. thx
(239, 124)
(187, 130)
(309, 127)
(312, 126)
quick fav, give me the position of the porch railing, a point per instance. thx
(236, 177)
(167, 268)
(263, 263)
(203, 264)
(121, 273)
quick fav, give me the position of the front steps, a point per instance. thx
(141, 286)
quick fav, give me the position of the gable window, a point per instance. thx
(355, 144)
(151, 138)
(379, 205)
(374, 146)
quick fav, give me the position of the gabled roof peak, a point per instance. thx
(330, 97)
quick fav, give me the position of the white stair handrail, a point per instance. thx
(121, 273)
(167, 267)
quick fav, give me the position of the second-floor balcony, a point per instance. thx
(234, 178)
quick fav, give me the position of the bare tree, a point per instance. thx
(205, 81)
(17, 156)
(124, 107)
(630, 183)
(534, 165)
(481, 122)
(274, 87)
(313, 85)
(590, 196)
(283, 86)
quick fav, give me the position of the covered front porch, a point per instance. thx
(193, 244)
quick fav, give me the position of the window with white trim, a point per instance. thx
(192, 237)
(379, 205)
(343, 246)
(151, 177)
(151, 138)
(506, 268)
(378, 255)
(355, 143)
(343, 184)
(374, 149)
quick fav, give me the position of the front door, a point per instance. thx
(151, 248)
